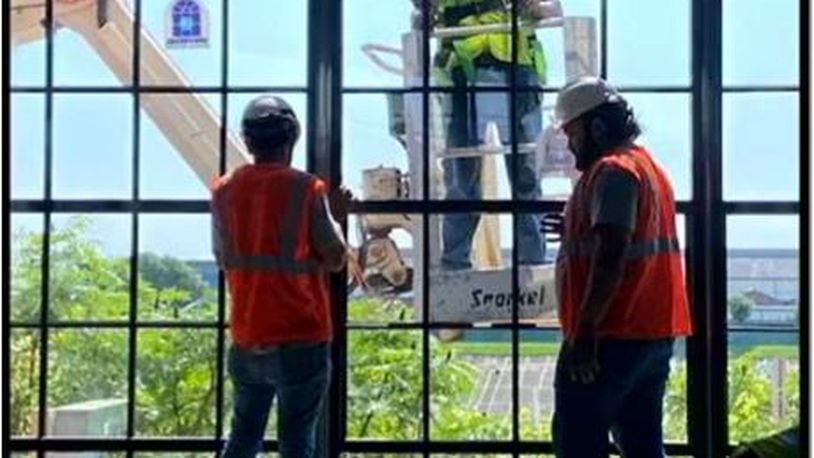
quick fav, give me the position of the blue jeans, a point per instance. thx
(626, 399)
(468, 115)
(298, 376)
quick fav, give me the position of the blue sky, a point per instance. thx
(648, 46)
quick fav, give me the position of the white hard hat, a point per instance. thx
(581, 96)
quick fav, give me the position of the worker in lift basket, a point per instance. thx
(275, 236)
(620, 282)
(485, 60)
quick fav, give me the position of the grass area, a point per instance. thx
(775, 351)
(502, 348)
(552, 348)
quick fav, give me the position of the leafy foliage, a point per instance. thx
(176, 368)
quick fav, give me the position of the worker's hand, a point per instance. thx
(340, 199)
(583, 358)
(553, 223)
(357, 274)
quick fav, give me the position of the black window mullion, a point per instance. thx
(426, 29)
(514, 174)
(134, 236)
(603, 33)
(6, 256)
(48, 25)
(805, 226)
(707, 349)
(324, 133)
(222, 161)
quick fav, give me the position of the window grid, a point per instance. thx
(135, 207)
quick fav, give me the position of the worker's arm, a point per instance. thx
(218, 233)
(613, 219)
(542, 9)
(326, 233)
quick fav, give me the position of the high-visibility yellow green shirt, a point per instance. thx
(464, 51)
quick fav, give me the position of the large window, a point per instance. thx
(118, 315)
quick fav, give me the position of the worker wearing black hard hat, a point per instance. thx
(275, 237)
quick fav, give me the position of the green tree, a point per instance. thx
(177, 285)
(740, 307)
(750, 403)
(385, 383)
(175, 368)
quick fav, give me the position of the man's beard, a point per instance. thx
(587, 155)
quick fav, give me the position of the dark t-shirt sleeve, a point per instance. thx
(615, 199)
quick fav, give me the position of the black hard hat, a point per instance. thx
(269, 121)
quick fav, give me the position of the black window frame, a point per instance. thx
(705, 213)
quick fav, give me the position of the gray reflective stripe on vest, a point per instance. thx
(585, 248)
(293, 216)
(652, 248)
(272, 263)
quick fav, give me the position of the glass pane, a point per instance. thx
(268, 43)
(25, 380)
(761, 146)
(471, 279)
(27, 56)
(26, 267)
(761, 42)
(180, 145)
(649, 42)
(87, 383)
(86, 54)
(176, 390)
(238, 103)
(763, 269)
(675, 396)
(384, 385)
(90, 267)
(390, 24)
(764, 384)
(27, 146)
(188, 50)
(386, 253)
(538, 359)
(764, 367)
(553, 39)
(382, 140)
(471, 148)
(667, 133)
(178, 278)
(471, 386)
(93, 146)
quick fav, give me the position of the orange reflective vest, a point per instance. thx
(261, 218)
(651, 302)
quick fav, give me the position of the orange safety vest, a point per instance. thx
(651, 302)
(261, 218)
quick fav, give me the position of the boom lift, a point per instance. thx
(484, 293)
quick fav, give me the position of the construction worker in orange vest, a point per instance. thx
(276, 238)
(620, 282)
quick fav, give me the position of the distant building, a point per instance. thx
(770, 279)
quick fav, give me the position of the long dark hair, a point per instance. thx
(620, 122)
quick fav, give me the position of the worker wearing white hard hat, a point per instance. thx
(620, 282)
(583, 95)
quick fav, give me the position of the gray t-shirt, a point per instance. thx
(615, 199)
